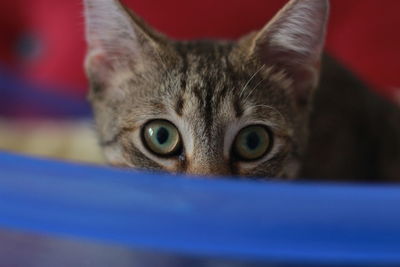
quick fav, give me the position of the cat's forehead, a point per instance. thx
(205, 62)
(203, 86)
(208, 82)
(212, 80)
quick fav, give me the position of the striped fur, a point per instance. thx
(210, 90)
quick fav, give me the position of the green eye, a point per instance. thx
(252, 143)
(162, 138)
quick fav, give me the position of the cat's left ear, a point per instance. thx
(293, 41)
(117, 40)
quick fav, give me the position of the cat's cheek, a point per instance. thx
(282, 170)
(292, 169)
(115, 156)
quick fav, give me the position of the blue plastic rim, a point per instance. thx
(243, 220)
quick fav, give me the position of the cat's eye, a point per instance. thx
(162, 138)
(252, 143)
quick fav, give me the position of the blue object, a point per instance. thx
(19, 97)
(288, 224)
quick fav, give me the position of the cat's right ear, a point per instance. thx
(293, 42)
(117, 39)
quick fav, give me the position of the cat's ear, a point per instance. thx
(294, 40)
(117, 39)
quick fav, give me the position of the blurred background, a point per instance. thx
(43, 110)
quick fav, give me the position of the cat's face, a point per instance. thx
(210, 108)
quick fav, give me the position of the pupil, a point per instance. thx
(162, 135)
(252, 141)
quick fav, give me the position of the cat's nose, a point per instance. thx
(209, 169)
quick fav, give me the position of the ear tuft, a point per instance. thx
(300, 27)
(293, 41)
(109, 27)
(119, 35)
(296, 33)
(117, 41)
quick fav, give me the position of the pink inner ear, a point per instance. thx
(302, 69)
(281, 56)
(101, 58)
(305, 81)
(99, 65)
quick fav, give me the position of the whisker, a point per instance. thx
(248, 82)
(252, 90)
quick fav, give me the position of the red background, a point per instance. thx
(363, 34)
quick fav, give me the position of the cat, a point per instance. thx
(271, 105)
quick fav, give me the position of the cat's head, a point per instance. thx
(209, 108)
